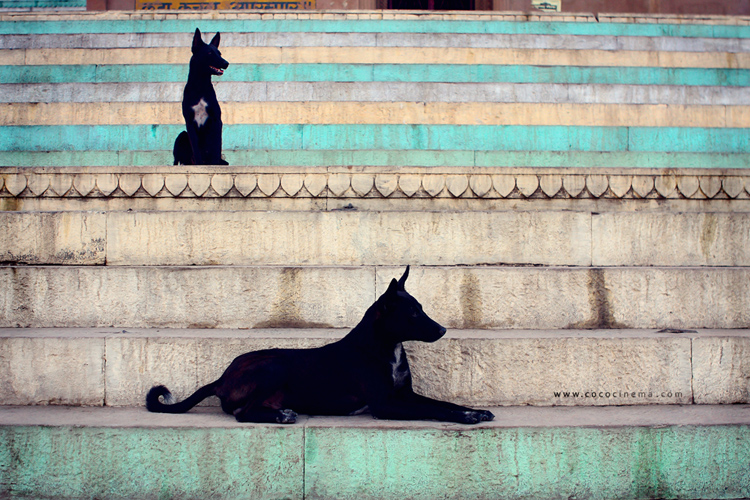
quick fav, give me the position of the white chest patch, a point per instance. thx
(200, 112)
(399, 370)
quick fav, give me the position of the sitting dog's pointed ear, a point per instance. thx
(402, 279)
(215, 40)
(197, 40)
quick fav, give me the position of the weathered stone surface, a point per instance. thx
(555, 298)
(499, 297)
(458, 297)
(135, 364)
(180, 297)
(473, 367)
(555, 368)
(104, 453)
(324, 91)
(348, 238)
(717, 297)
(380, 238)
(648, 239)
(77, 238)
(721, 366)
(526, 452)
(42, 369)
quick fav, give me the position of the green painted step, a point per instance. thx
(384, 73)
(423, 158)
(386, 137)
(375, 26)
(543, 453)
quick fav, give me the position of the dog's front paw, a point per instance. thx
(470, 417)
(286, 417)
(486, 416)
(475, 416)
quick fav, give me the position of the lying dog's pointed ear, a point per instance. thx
(388, 297)
(197, 40)
(402, 279)
(215, 40)
(393, 288)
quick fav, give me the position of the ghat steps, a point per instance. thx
(383, 89)
(571, 193)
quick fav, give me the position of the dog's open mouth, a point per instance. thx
(217, 71)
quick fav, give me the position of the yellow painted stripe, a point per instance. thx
(439, 113)
(384, 55)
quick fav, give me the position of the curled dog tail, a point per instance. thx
(154, 405)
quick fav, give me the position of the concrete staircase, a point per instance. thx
(572, 193)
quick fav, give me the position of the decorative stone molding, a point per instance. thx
(322, 182)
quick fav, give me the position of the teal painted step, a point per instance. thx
(375, 26)
(383, 73)
(385, 137)
(448, 158)
(132, 461)
(542, 453)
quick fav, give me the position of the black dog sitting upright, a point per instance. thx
(366, 370)
(201, 144)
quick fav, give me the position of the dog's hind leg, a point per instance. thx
(265, 415)
(265, 405)
(252, 388)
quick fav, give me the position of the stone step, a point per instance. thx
(652, 114)
(492, 297)
(383, 55)
(116, 367)
(381, 116)
(378, 38)
(545, 453)
(167, 93)
(360, 238)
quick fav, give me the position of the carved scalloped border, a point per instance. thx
(402, 184)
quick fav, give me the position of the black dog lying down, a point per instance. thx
(366, 370)
(201, 144)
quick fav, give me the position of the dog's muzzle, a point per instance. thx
(217, 71)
